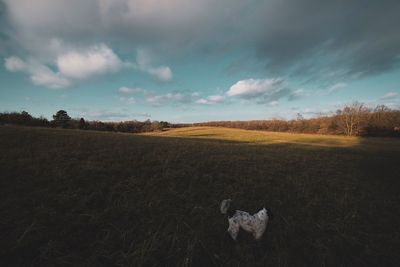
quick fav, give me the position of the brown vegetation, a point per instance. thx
(352, 120)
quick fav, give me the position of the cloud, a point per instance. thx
(111, 115)
(14, 64)
(98, 59)
(161, 73)
(263, 90)
(211, 100)
(104, 115)
(297, 94)
(39, 74)
(127, 90)
(331, 89)
(173, 98)
(129, 100)
(254, 87)
(130, 21)
(42, 75)
(336, 87)
(70, 66)
(170, 98)
(389, 95)
(273, 103)
(350, 38)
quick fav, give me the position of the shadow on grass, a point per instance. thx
(217, 139)
(366, 143)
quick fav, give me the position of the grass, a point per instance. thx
(258, 137)
(81, 198)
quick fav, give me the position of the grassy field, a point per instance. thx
(81, 198)
(258, 137)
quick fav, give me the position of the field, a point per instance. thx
(82, 198)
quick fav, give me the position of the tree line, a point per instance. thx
(62, 120)
(354, 119)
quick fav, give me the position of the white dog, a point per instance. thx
(255, 224)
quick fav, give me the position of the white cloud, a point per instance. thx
(273, 103)
(170, 98)
(42, 75)
(262, 90)
(195, 94)
(144, 63)
(252, 88)
(70, 66)
(129, 100)
(39, 73)
(127, 90)
(178, 98)
(336, 87)
(104, 115)
(211, 100)
(163, 73)
(14, 64)
(297, 94)
(389, 95)
(158, 100)
(112, 115)
(98, 59)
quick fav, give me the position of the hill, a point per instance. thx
(83, 198)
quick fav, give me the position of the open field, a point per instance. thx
(82, 198)
(258, 137)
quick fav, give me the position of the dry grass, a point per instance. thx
(80, 198)
(258, 137)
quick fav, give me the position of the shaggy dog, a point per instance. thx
(255, 224)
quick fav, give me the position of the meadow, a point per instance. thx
(86, 198)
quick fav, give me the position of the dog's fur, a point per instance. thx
(255, 224)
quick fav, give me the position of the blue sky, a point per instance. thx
(191, 61)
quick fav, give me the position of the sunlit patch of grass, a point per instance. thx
(258, 137)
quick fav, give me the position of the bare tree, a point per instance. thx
(351, 118)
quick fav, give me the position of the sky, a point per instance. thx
(193, 61)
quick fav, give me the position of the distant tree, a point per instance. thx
(351, 118)
(26, 114)
(82, 124)
(61, 118)
(164, 124)
(147, 126)
(42, 121)
(383, 121)
(299, 117)
(24, 118)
